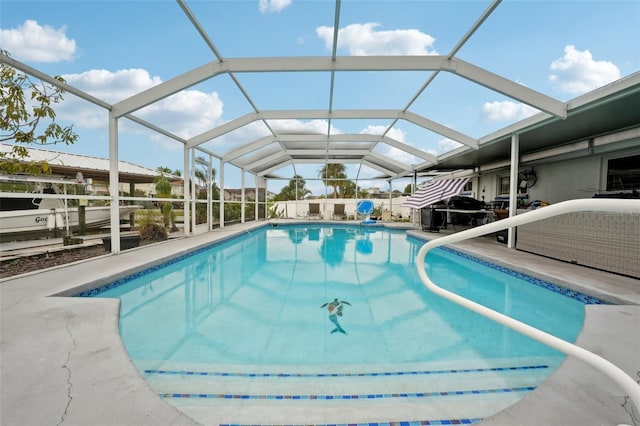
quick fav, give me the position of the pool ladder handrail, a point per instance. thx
(626, 382)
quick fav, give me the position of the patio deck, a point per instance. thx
(63, 362)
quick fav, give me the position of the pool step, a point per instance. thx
(170, 382)
(214, 397)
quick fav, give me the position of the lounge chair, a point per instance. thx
(338, 212)
(314, 211)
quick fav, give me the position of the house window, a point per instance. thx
(504, 185)
(623, 174)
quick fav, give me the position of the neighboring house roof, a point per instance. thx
(63, 163)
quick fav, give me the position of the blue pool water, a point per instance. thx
(268, 298)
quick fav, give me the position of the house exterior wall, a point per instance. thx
(567, 180)
(556, 181)
(595, 239)
(177, 189)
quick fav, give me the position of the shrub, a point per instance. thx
(153, 232)
(149, 229)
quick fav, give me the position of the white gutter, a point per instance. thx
(626, 382)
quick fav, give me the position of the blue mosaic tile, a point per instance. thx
(320, 375)
(583, 298)
(368, 396)
(113, 284)
(397, 423)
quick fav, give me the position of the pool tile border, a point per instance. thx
(397, 423)
(348, 396)
(117, 283)
(321, 375)
(573, 294)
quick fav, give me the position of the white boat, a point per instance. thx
(21, 224)
(37, 216)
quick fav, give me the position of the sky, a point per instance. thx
(115, 49)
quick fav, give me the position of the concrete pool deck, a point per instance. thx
(62, 361)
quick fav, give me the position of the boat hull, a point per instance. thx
(22, 224)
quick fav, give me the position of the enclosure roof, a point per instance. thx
(323, 115)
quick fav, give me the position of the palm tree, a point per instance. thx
(164, 170)
(163, 190)
(296, 190)
(332, 173)
(203, 174)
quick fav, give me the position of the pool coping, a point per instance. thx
(62, 357)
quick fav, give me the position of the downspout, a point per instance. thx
(221, 194)
(513, 187)
(113, 184)
(186, 185)
(209, 194)
(242, 194)
(193, 190)
(257, 200)
(390, 202)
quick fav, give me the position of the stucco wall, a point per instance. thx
(566, 180)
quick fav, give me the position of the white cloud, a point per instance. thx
(256, 130)
(297, 126)
(186, 113)
(271, 6)
(445, 145)
(391, 151)
(394, 133)
(33, 42)
(507, 110)
(363, 39)
(578, 73)
(111, 86)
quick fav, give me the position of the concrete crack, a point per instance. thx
(628, 406)
(69, 383)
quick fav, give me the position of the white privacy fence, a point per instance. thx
(300, 209)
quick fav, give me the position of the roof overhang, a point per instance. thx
(611, 109)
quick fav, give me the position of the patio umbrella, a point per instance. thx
(434, 191)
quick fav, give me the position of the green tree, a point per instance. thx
(347, 189)
(407, 189)
(163, 190)
(333, 173)
(295, 190)
(203, 174)
(24, 125)
(163, 186)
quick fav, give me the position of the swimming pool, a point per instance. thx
(309, 302)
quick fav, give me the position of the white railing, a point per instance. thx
(614, 206)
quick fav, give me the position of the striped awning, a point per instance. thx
(434, 191)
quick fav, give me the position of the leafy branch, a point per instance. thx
(31, 122)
